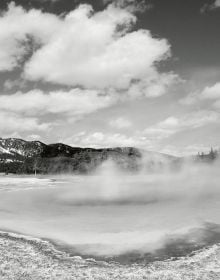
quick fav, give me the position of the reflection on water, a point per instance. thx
(111, 214)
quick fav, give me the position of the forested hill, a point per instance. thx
(28, 157)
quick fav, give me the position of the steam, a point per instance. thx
(112, 212)
(192, 183)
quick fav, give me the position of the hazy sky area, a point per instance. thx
(111, 73)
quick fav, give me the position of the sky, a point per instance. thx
(109, 73)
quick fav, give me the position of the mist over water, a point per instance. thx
(110, 213)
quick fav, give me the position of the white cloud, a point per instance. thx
(130, 5)
(208, 7)
(120, 123)
(30, 112)
(100, 140)
(75, 102)
(151, 138)
(11, 122)
(89, 51)
(192, 120)
(15, 26)
(212, 92)
(153, 86)
(173, 124)
(208, 93)
(217, 3)
(86, 48)
(96, 53)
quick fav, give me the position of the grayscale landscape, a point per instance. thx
(109, 140)
(129, 221)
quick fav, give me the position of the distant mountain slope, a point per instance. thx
(20, 156)
(19, 147)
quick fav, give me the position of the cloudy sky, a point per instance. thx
(107, 73)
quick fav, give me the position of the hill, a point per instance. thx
(20, 156)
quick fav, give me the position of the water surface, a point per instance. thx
(113, 215)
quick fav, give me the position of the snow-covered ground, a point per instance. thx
(19, 183)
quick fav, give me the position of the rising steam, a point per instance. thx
(112, 212)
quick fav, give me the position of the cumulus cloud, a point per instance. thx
(30, 111)
(217, 4)
(11, 122)
(130, 5)
(152, 86)
(83, 48)
(75, 102)
(150, 138)
(209, 7)
(89, 51)
(211, 93)
(15, 26)
(97, 56)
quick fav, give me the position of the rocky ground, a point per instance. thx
(23, 258)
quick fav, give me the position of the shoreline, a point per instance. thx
(175, 248)
(34, 258)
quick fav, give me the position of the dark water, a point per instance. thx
(175, 247)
